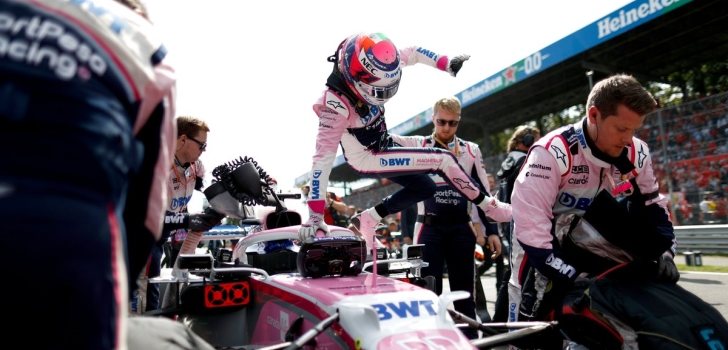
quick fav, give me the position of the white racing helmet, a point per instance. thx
(370, 66)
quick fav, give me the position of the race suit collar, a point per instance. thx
(453, 145)
(622, 162)
(180, 164)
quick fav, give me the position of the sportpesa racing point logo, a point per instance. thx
(37, 42)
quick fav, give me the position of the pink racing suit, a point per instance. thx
(182, 182)
(180, 186)
(562, 176)
(362, 132)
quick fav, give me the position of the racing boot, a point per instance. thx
(365, 222)
(496, 210)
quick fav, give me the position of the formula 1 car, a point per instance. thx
(273, 291)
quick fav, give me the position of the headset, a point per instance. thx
(528, 139)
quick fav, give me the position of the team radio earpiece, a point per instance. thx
(528, 139)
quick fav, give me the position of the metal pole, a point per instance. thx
(665, 159)
(589, 75)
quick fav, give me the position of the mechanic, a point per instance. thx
(563, 174)
(86, 106)
(366, 74)
(187, 175)
(445, 220)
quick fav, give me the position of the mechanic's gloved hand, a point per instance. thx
(453, 67)
(315, 223)
(583, 281)
(666, 269)
(206, 220)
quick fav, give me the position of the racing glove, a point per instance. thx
(206, 220)
(314, 224)
(666, 269)
(315, 221)
(453, 67)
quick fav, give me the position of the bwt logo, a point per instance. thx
(428, 53)
(404, 309)
(394, 162)
(315, 185)
(392, 75)
(580, 137)
(711, 339)
(558, 264)
(174, 219)
(512, 312)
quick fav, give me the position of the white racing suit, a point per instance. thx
(362, 132)
(184, 179)
(561, 176)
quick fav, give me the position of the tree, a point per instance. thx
(705, 79)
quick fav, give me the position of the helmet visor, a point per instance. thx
(379, 92)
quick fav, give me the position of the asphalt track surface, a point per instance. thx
(712, 287)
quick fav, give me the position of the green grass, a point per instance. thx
(680, 262)
(704, 268)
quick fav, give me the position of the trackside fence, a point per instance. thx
(709, 239)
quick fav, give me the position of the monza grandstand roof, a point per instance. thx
(646, 38)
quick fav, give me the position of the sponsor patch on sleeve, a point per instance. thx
(334, 103)
(559, 149)
(538, 170)
(638, 154)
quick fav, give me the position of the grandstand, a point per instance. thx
(689, 146)
(648, 39)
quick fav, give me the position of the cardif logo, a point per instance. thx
(394, 162)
